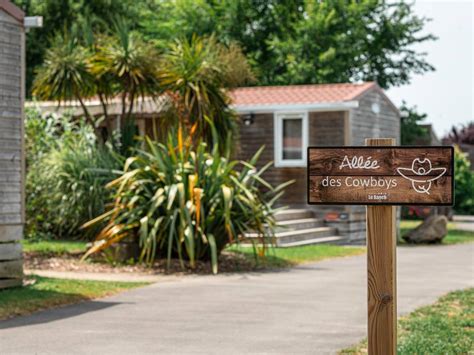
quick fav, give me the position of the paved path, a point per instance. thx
(312, 309)
(103, 276)
(465, 223)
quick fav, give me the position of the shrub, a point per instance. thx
(67, 171)
(187, 202)
(463, 183)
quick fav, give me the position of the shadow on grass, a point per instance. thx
(41, 293)
(51, 315)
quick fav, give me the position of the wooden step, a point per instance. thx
(324, 240)
(297, 224)
(298, 235)
(292, 214)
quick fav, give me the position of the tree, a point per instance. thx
(128, 65)
(196, 74)
(60, 15)
(306, 41)
(249, 23)
(337, 41)
(286, 42)
(65, 75)
(462, 135)
(411, 131)
(102, 65)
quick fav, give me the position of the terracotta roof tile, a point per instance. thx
(298, 94)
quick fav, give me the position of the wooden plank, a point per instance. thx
(10, 233)
(9, 177)
(10, 134)
(10, 251)
(353, 189)
(10, 208)
(6, 123)
(12, 218)
(328, 161)
(11, 269)
(10, 156)
(5, 283)
(381, 274)
(10, 186)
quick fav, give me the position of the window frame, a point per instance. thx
(278, 118)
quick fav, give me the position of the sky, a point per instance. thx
(446, 95)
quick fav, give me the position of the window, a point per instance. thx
(291, 139)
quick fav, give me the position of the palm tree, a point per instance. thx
(105, 86)
(197, 74)
(129, 63)
(65, 75)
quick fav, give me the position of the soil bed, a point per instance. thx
(228, 262)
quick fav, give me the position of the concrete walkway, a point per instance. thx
(465, 223)
(312, 309)
(102, 276)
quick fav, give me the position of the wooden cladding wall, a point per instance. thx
(11, 153)
(365, 123)
(325, 128)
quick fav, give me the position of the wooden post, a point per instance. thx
(381, 273)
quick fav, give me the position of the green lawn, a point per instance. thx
(54, 246)
(45, 293)
(284, 257)
(454, 236)
(446, 327)
(274, 258)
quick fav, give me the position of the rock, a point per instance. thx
(432, 230)
(125, 250)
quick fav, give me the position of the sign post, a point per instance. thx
(381, 176)
(381, 273)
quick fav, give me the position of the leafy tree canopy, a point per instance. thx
(305, 41)
(411, 131)
(286, 42)
(62, 16)
(337, 41)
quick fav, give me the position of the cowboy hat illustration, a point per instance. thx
(421, 174)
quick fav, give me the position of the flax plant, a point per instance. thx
(180, 199)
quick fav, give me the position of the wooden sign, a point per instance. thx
(381, 175)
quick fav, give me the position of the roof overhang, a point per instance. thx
(320, 106)
(147, 105)
(13, 10)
